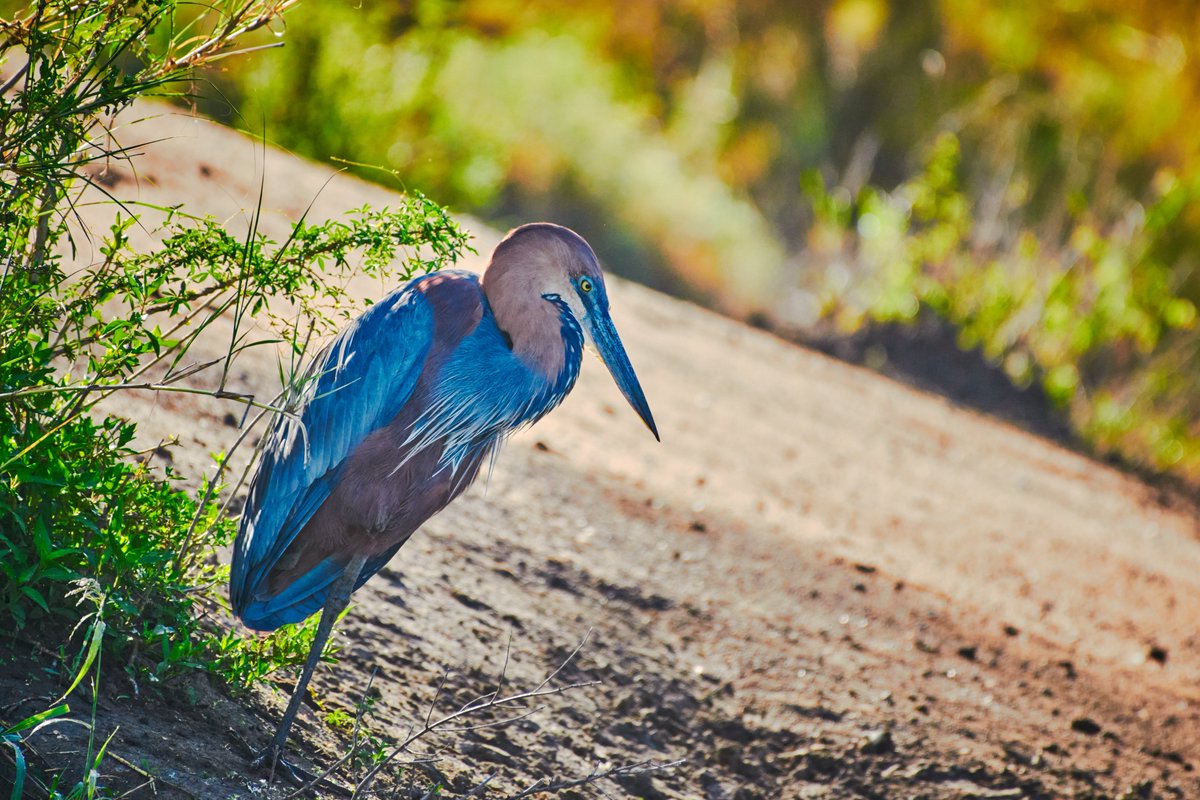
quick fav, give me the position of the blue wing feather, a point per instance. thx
(358, 384)
(479, 393)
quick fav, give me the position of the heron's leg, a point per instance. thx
(339, 597)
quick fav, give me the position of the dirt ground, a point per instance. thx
(821, 584)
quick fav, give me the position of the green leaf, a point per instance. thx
(36, 596)
(41, 540)
(96, 634)
(51, 713)
(18, 788)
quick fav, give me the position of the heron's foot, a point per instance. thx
(272, 760)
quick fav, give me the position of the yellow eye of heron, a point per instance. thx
(585, 285)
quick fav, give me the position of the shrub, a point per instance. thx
(89, 533)
(1103, 323)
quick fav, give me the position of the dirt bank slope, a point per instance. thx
(820, 584)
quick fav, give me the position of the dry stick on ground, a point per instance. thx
(466, 710)
(478, 790)
(430, 727)
(492, 700)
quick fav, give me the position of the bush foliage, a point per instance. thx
(1101, 322)
(95, 545)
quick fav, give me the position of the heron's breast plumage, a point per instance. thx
(484, 391)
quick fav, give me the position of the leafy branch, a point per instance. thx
(77, 502)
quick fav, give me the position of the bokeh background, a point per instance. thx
(1025, 173)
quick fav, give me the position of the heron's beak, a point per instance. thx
(608, 343)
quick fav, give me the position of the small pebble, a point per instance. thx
(878, 742)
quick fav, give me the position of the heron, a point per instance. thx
(396, 417)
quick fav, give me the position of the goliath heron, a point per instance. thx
(398, 414)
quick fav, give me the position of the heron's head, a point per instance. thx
(535, 272)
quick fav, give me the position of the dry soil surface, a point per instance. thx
(821, 583)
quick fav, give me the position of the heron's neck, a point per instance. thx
(542, 333)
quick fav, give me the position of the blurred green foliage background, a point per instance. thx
(1027, 170)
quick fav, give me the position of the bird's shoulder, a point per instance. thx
(455, 300)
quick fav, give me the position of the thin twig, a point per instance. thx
(436, 695)
(568, 659)
(150, 778)
(219, 394)
(475, 706)
(504, 667)
(11, 82)
(479, 790)
(324, 776)
(499, 723)
(199, 54)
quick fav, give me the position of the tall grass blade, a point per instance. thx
(18, 788)
(96, 635)
(50, 713)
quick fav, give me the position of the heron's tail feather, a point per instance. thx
(299, 599)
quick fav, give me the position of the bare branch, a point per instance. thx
(478, 790)
(219, 394)
(568, 659)
(474, 707)
(436, 695)
(496, 723)
(234, 28)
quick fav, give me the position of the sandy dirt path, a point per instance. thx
(821, 583)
